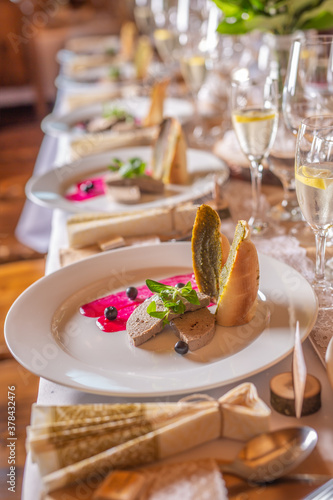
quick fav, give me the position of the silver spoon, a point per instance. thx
(273, 454)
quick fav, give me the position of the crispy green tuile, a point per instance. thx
(207, 250)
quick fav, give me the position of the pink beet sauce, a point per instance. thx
(124, 305)
(99, 189)
(78, 194)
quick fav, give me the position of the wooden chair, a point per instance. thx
(15, 277)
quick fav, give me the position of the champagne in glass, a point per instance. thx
(314, 189)
(306, 92)
(255, 129)
(193, 66)
(255, 119)
(144, 19)
(194, 71)
(166, 43)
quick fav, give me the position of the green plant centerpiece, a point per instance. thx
(282, 20)
(281, 17)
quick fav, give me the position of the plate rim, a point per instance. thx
(75, 165)
(47, 123)
(145, 393)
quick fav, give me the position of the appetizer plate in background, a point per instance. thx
(99, 76)
(88, 46)
(138, 107)
(46, 333)
(50, 188)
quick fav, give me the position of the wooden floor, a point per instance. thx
(20, 139)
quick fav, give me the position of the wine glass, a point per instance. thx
(308, 91)
(314, 189)
(144, 17)
(281, 162)
(308, 88)
(254, 116)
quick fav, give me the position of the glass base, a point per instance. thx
(324, 292)
(329, 269)
(258, 227)
(285, 211)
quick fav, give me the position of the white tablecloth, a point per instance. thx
(53, 394)
(35, 228)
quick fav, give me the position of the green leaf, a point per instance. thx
(276, 24)
(299, 5)
(192, 297)
(258, 5)
(189, 294)
(110, 51)
(179, 307)
(115, 165)
(237, 28)
(114, 72)
(318, 18)
(322, 21)
(277, 16)
(133, 168)
(155, 286)
(118, 113)
(171, 297)
(151, 310)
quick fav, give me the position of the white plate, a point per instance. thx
(56, 125)
(97, 77)
(87, 46)
(50, 188)
(78, 355)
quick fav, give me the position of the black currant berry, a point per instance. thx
(181, 347)
(132, 292)
(87, 186)
(110, 313)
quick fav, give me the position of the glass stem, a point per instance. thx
(320, 255)
(198, 122)
(256, 178)
(289, 193)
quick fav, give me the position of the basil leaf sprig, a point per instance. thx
(115, 165)
(114, 73)
(134, 167)
(117, 113)
(171, 298)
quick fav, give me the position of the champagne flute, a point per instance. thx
(255, 118)
(308, 88)
(193, 66)
(314, 190)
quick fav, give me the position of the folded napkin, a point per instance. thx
(191, 480)
(84, 62)
(104, 141)
(69, 443)
(76, 100)
(169, 222)
(93, 44)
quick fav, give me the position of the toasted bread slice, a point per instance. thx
(143, 57)
(239, 281)
(169, 154)
(155, 114)
(128, 34)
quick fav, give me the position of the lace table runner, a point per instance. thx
(282, 247)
